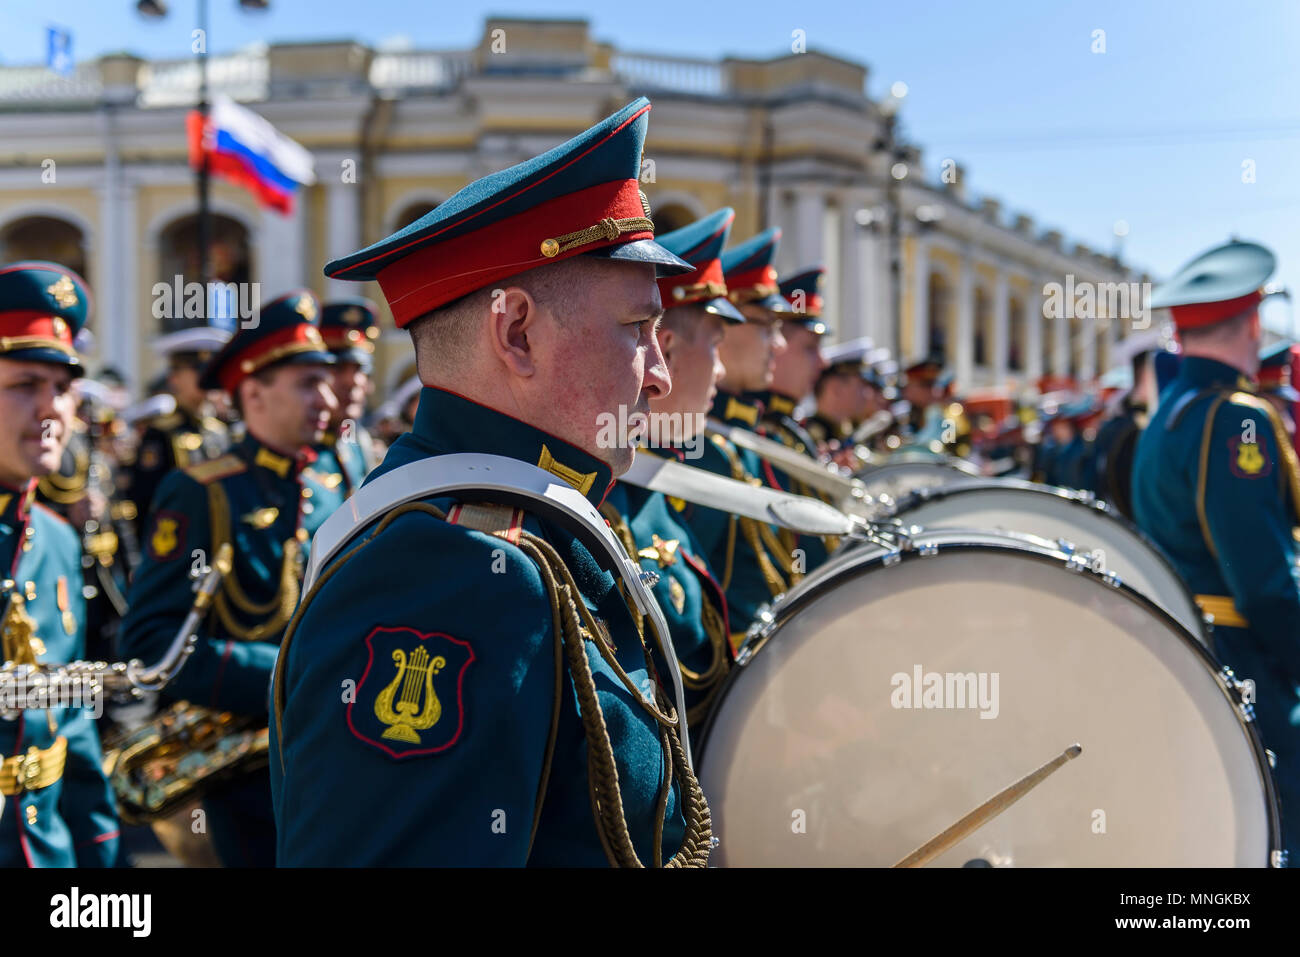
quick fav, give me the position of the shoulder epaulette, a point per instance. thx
(1250, 401)
(168, 420)
(205, 473)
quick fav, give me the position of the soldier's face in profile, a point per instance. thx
(183, 381)
(290, 407)
(691, 350)
(37, 405)
(603, 362)
(749, 351)
(797, 367)
(351, 385)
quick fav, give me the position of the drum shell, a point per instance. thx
(823, 771)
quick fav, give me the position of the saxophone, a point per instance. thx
(168, 763)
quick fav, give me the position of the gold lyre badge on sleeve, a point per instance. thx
(411, 698)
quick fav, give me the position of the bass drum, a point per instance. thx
(1075, 520)
(895, 690)
(906, 472)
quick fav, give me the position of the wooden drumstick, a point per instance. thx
(987, 811)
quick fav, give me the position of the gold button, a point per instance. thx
(246, 366)
(30, 591)
(306, 493)
(679, 292)
(550, 248)
(31, 814)
(306, 508)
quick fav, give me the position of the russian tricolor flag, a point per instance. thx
(246, 150)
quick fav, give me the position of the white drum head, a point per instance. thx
(1051, 514)
(898, 479)
(809, 761)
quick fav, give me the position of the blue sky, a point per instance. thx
(1153, 131)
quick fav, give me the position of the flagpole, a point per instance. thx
(205, 225)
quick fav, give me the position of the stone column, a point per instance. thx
(965, 322)
(280, 243)
(1034, 329)
(804, 248)
(920, 298)
(1001, 327)
(342, 229)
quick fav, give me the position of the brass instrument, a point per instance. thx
(25, 683)
(166, 764)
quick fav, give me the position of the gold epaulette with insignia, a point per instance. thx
(1251, 401)
(168, 421)
(205, 473)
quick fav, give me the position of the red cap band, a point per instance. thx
(752, 283)
(1199, 314)
(441, 273)
(705, 282)
(301, 337)
(32, 330)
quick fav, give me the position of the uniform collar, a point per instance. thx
(16, 503)
(743, 410)
(1202, 373)
(451, 423)
(262, 456)
(777, 403)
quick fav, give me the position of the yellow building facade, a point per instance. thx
(94, 173)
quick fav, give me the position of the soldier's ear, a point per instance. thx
(515, 324)
(669, 339)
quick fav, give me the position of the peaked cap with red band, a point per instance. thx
(1220, 284)
(42, 308)
(581, 198)
(350, 327)
(1275, 367)
(287, 331)
(700, 244)
(803, 291)
(750, 275)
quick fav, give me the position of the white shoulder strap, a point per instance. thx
(510, 482)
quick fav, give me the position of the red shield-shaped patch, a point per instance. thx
(1248, 459)
(410, 700)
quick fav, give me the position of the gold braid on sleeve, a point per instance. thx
(281, 605)
(756, 533)
(573, 625)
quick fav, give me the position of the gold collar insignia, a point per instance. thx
(582, 481)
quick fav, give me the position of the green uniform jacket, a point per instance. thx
(454, 770)
(778, 423)
(1214, 487)
(73, 821)
(176, 440)
(747, 556)
(691, 599)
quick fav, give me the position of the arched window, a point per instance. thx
(670, 217)
(411, 212)
(45, 237)
(229, 259)
(941, 338)
(1016, 336)
(983, 345)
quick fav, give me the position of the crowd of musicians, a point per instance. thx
(468, 680)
